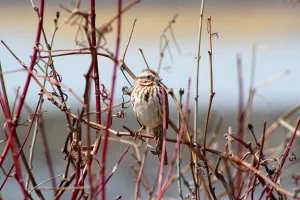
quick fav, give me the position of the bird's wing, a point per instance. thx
(165, 96)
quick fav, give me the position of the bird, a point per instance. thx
(147, 103)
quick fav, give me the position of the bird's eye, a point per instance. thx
(148, 77)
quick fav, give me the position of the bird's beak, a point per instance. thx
(159, 79)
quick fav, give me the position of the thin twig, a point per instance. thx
(251, 91)
(162, 56)
(144, 58)
(197, 87)
(129, 39)
(138, 180)
(211, 96)
(276, 124)
(181, 92)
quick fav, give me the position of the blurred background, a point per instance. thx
(272, 25)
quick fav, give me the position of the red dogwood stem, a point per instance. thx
(108, 118)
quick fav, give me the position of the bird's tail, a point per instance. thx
(158, 133)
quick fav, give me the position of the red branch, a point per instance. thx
(105, 140)
(26, 137)
(95, 62)
(161, 192)
(27, 82)
(260, 157)
(165, 126)
(114, 169)
(94, 50)
(13, 125)
(286, 153)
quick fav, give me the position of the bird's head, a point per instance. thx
(148, 77)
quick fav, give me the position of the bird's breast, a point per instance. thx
(146, 105)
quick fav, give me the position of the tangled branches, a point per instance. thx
(245, 168)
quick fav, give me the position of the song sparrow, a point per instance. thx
(147, 104)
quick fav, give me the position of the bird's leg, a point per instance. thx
(156, 138)
(156, 151)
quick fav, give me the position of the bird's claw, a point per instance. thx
(155, 151)
(155, 138)
(138, 133)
